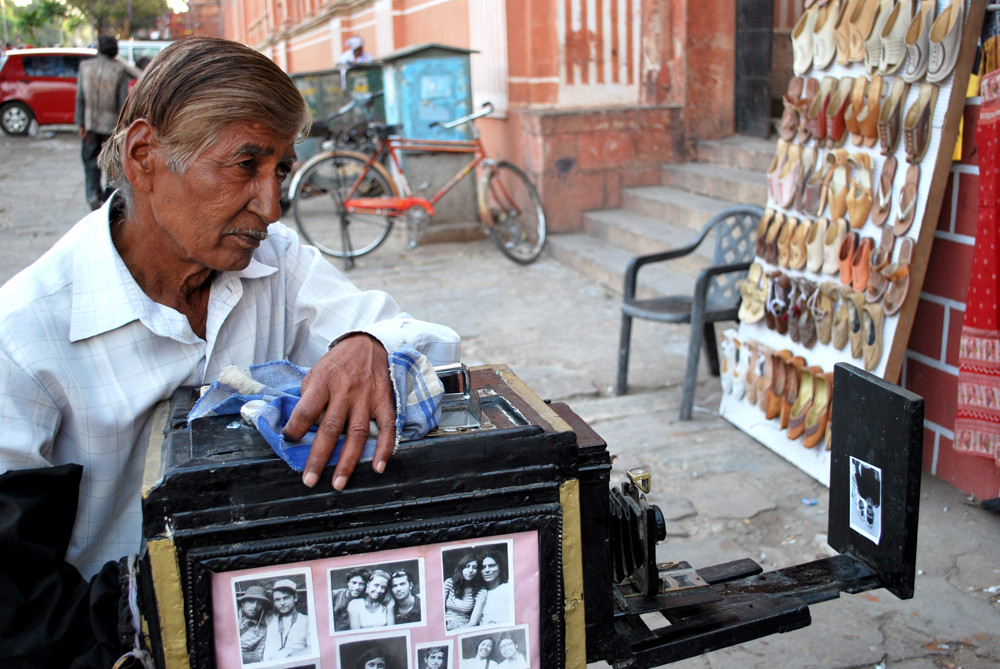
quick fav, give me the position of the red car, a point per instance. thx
(40, 85)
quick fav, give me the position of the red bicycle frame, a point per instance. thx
(393, 146)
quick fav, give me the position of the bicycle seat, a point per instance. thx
(383, 130)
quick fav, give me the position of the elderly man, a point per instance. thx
(181, 273)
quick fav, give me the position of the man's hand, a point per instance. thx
(341, 394)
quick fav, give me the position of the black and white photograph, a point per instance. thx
(374, 596)
(274, 618)
(499, 649)
(384, 652)
(866, 500)
(434, 655)
(478, 591)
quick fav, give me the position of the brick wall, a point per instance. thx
(581, 159)
(931, 367)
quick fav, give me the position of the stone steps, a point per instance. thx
(668, 215)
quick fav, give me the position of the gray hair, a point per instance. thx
(192, 90)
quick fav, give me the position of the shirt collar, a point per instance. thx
(105, 294)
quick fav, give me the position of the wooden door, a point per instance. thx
(754, 27)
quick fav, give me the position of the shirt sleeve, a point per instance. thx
(29, 419)
(330, 306)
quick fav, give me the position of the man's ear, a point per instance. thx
(138, 158)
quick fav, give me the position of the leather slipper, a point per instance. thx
(860, 264)
(838, 183)
(855, 108)
(871, 346)
(785, 240)
(832, 242)
(802, 41)
(893, 35)
(841, 30)
(824, 40)
(846, 257)
(907, 201)
(814, 245)
(817, 423)
(753, 294)
(897, 275)
(841, 318)
(917, 123)
(945, 41)
(811, 89)
(877, 261)
(840, 101)
(823, 304)
(859, 196)
(771, 239)
(798, 256)
(860, 27)
(789, 125)
(817, 110)
(855, 329)
(775, 168)
(883, 199)
(803, 401)
(891, 116)
(762, 227)
(918, 44)
(868, 117)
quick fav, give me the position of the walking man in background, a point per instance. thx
(100, 94)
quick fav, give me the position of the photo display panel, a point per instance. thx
(441, 606)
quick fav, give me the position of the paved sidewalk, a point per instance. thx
(725, 496)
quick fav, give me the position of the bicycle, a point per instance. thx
(345, 201)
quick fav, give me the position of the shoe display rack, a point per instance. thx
(855, 189)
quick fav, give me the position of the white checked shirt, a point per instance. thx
(85, 356)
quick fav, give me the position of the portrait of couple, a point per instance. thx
(477, 587)
(273, 618)
(507, 649)
(377, 596)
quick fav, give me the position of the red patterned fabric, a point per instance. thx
(977, 421)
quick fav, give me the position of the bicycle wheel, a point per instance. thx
(317, 205)
(517, 219)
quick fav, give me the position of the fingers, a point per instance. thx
(342, 393)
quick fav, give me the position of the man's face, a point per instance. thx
(284, 602)
(491, 570)
(435, 660)
(375, 663)
(356, 587)
(400, 587)
(251, 607)
(216, 214)
(508, 648)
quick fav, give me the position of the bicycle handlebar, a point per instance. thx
(356, 100)
(487, 109)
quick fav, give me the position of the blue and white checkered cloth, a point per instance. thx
(268, 394)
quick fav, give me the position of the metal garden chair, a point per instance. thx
(716, 296)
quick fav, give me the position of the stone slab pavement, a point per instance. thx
(725, 496)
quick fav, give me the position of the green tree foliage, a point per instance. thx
(121, 16)
(39, 20)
